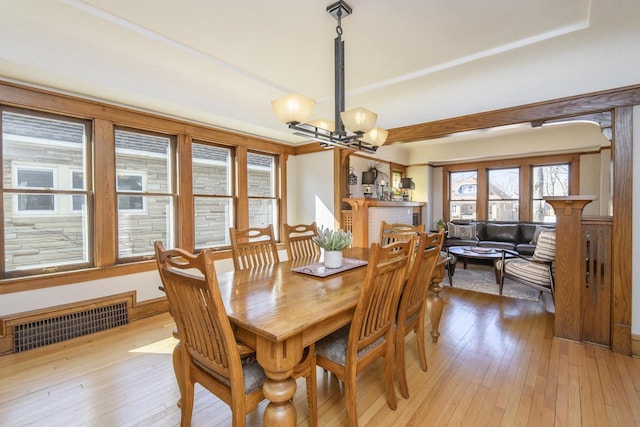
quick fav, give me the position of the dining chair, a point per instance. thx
(253, 247)
(299, 241)
(369, 336)
(389, 232)
(412, 306)
(208, 352)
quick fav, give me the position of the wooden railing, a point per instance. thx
(596, 279)
(347, 220)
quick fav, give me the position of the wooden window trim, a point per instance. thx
(105, 118)
(524, 164)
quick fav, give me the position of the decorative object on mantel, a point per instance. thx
(333, 242)
(352, 179)
(407, 184)
(368, 179)
(374, 176)
(295, 109)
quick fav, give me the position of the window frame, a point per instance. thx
(525, 165)
(100, 194)
(534, 199)
(490, 199)
(463, 198)
(231, 197)
(172, 193)
(55, 192)
(275, 198)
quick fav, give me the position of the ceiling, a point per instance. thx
(411, 61)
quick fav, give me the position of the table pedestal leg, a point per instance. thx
(278, 360)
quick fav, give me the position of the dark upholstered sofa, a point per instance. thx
(518, 236)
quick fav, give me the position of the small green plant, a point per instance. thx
(440, 224)
(333, 240)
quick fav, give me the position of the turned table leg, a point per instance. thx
(278, 360)
(434, 300)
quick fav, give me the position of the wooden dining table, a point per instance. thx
(280, 312)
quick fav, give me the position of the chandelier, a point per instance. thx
(352, 129)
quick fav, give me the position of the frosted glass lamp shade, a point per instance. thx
(359, 120)
(376, 136)
(293, 108)
(327, 125)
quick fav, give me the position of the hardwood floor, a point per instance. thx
(496, 364)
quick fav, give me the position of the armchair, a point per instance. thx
(536, 271)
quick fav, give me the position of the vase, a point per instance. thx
(333, 259)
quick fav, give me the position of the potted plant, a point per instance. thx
(333, 242)
(440, 224)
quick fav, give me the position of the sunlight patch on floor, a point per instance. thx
(164, 346)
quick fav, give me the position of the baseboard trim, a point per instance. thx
(135, 311)
(635, 345)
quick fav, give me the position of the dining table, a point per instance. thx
(280, 311)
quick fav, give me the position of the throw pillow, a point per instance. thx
(546, 246)
(536, 233)
(457, 231)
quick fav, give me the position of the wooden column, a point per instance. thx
(568, 210)
(360, 219)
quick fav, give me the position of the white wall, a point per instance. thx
(145, 284)
(508, 142)
(310, 189)
(595, 178)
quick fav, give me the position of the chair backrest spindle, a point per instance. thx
(253, 247)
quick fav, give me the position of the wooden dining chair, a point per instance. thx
(390, 232)
(207, 351)
(412, 307)
(299, 241)
(253, 247)
(370, 334)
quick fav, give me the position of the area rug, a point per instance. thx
(481, 278)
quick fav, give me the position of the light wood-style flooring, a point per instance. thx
(496, 363)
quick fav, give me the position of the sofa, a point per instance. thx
(518, 236)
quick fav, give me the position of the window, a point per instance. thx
(463, 188)
(35, 178)
(396, 179)
(504, 194)
(548, 180)
(145, 187)
(212, 195)
(131, 182)
(262, 190)
(77, 182)
(42, 230)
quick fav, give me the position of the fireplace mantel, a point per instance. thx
(368, 213)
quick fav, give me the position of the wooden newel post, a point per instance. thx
(568, 210)
(360, 225)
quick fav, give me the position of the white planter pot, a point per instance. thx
(333, 259)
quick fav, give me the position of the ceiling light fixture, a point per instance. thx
(295, 109)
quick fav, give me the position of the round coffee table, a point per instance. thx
(478, 252)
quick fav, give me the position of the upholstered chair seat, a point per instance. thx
(536, 271)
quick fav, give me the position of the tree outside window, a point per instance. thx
(504, 194)
(548, 180)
